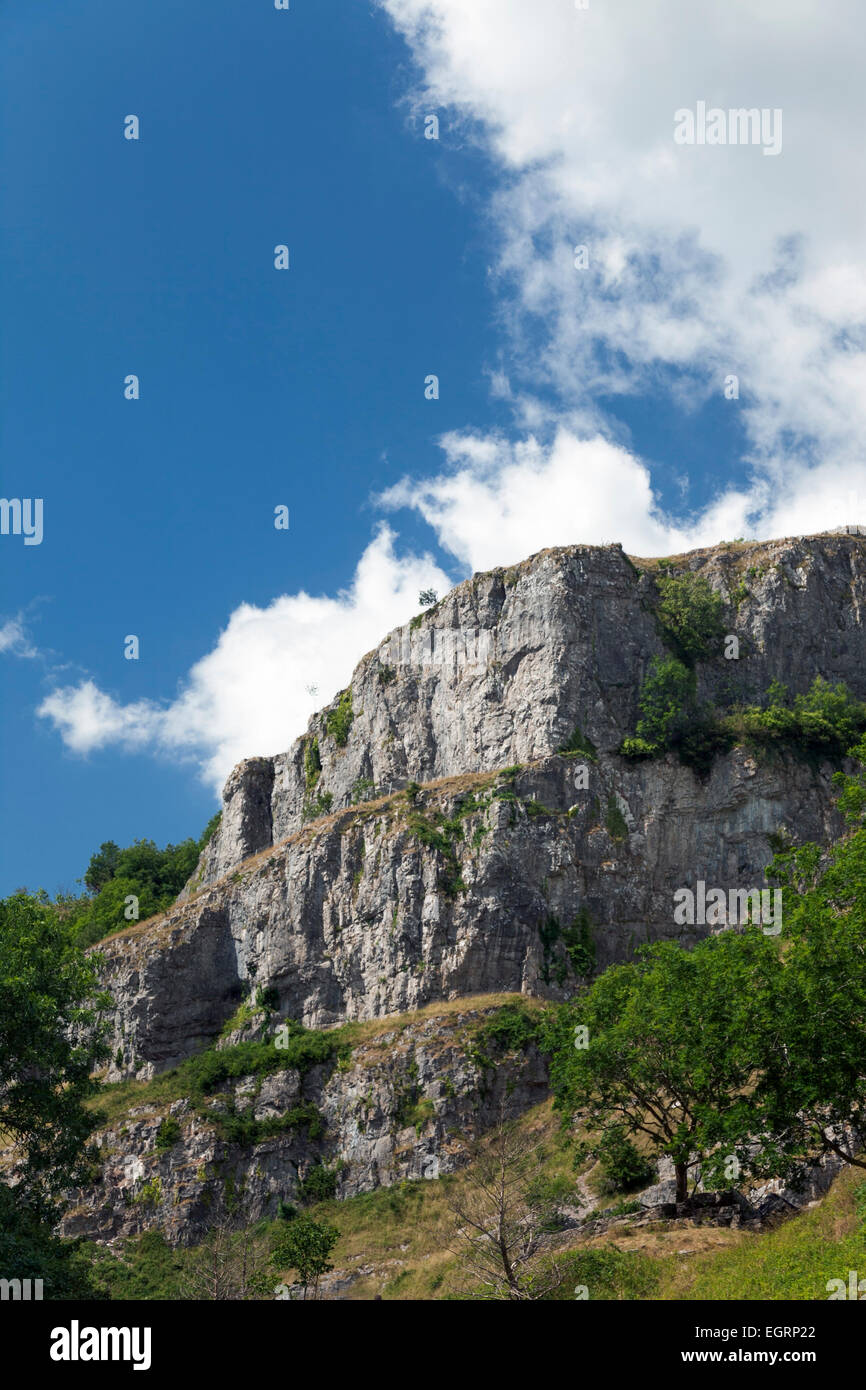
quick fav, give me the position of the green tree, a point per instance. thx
(690, 614)
(51, 1037)
(811, 1095)
(667, 701)
(671, 1045)
(304, 1245)
(50, 1041)
(102, 866)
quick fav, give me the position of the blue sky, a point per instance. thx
(258, 387)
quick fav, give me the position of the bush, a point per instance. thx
(312, 763)
(579, 743)
(339, 720)
(638, 748)
(690, 614)
(667, 701)
(615, 821)
(320, 1184)
(168, 1134)
(623, 1168)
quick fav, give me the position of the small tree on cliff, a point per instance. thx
(667, 1046)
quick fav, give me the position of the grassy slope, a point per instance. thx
(395, 1243)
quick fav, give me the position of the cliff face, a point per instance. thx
(376, 909)
(508, 663)
(397, 1110)
(512, 868)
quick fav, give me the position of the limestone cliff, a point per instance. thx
(507, 664)
(427, 841)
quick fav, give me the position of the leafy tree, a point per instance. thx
(666, 702)
(51, 1037)
(50, 1040)
(29, 1249)
(811, 1095)
(305, 1245)
(142, 870)
(690, 614)
(102, 866)
(427, 597)
(671, 1043)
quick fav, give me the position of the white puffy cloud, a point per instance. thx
(498, 501)
(703, 260)
(250, 695)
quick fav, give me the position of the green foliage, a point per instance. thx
(690, 614)
(443, 833)
(623, 1167)
(210, 829)
(363, 789)
(154, 876)
(672, 1041)
(511, 1028)
(577, 955)
(828, 719)
(305, 1245)
(102, 866)
(30, 1250)
(667, 701)
(144, 1267)
(579, 944)
(320, 1184)
(312, 763)
(339, 721)
(579, 744)
(246, 1131)
(824, 722)
(638, 748)
(608, 1274)
(168, 1134)
(207, 1073)
(615, 821)
(150, 1193)
(51, 1038)
(387, 674)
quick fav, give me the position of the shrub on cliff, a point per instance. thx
(690, 614)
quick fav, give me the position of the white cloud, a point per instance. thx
(248, 695)
(703, 260)
(499, 501)
(14, 640)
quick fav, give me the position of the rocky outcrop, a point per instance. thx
(401, 1107)
(505, 667)
(396, 904)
